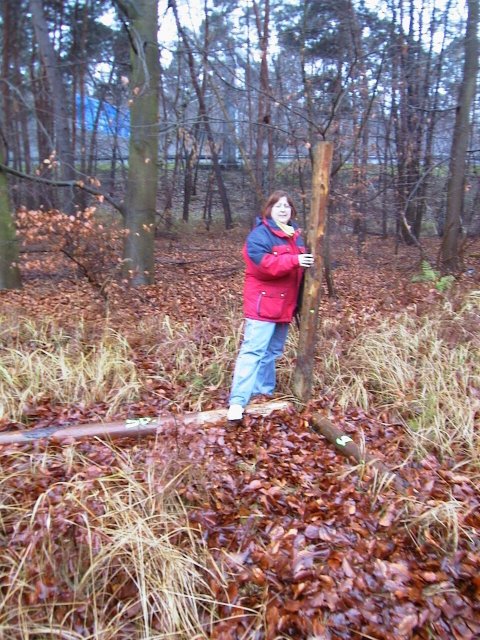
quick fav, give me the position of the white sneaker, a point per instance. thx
(235, 412)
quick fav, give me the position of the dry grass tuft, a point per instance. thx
(425, 371)
(40, 362)
(106, 555)
(438, 523)
(195, 358)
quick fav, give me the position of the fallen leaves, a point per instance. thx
(317, 555)
(305, 543)
(277, 514)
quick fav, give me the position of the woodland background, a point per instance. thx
(138, 142)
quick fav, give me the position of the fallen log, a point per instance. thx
(344, 444)
(148, 425)
(133, 426)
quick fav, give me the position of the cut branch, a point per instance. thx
(144, 426)
(133, 427)
(347, 447)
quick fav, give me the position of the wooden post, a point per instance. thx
(303, 374)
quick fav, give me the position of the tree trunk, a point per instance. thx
(406, 116)
(116, 151)
(360, 106)
(169, 179)
(15, 105)
(303, 374)
(79, 74)
(258, 197)
(450, 259)
(431, 98)
(63, 141)
(9, 30)
(264, 123)
(9, 271)
(45, 195)
(229, 149)
(140, 202)
(90, 159)
(237, 142)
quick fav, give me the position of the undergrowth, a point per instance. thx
(97, 545)
(43, 362)
(193, 359)
(425, 371)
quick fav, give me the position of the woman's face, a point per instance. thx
(281, 211)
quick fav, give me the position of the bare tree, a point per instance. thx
(63, 140)
(264, 123)
(204, 114)
(450, 258)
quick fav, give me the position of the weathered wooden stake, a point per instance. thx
(303, 374)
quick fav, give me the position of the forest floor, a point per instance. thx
(309, 545)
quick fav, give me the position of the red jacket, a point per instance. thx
(273, 275)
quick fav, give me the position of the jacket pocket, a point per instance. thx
(270, 305)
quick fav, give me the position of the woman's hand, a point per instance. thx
(305, 259)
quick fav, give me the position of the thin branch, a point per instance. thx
(85, 272)
(75, 184)
(403, 213)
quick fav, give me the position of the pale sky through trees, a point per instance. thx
(191, 14)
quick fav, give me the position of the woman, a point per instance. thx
(275, 257)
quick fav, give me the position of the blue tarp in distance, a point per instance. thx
(110, 117)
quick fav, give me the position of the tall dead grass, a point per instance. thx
(107, 554)
(41, 361)
(102, 548)
(425, 371)
(195, 358)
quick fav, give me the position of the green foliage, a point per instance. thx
(429, 274)
(444, 283)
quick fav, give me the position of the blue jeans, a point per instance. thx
(263, 342)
